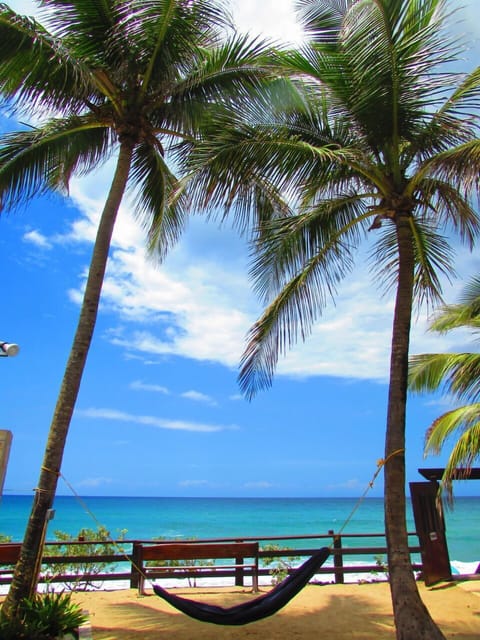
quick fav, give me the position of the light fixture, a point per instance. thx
(9, 349)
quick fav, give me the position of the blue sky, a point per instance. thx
(159, 412)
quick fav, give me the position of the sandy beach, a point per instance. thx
(336, 612)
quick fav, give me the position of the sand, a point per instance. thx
(354, 611)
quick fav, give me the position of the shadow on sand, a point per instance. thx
(318, 612)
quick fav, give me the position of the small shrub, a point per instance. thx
(281, 566)
(382, 565)
(43, 617)
(90, 543)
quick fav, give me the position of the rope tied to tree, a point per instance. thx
(380, 464)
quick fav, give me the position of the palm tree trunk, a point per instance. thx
(412, 619)
(25, 576)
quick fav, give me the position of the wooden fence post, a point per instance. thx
(135, 564)
(239, 573)
(337, 557)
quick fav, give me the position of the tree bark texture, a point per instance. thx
(25, 576)
(412, 619)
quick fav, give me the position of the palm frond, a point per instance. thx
(85, 22)
(170, 35)
(292, 313)
(465, 99)
(433, 259)
(461, 418)
(471, 296)
(464, 421)
(457, 316)
(322, 21)
(286, 245)
(232, 69)
(33, 161)
(160, 203)
(445, 204)
(38, 69)
(458, 166)
(456, 373)
(389, 53)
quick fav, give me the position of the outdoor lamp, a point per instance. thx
(8, 349)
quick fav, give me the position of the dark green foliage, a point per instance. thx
(44, 617)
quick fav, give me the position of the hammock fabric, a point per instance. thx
(256, 609)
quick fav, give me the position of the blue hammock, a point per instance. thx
(255, 609)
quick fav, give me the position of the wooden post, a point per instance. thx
(239, 573)
(337, 557)
(136, 561)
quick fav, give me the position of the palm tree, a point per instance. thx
(382, 138)
(459, 375)
(118, 77)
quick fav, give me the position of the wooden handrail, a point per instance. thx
(338, 542)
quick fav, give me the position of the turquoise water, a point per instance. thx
(146, 518)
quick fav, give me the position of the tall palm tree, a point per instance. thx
(382, 139)
(124, 78)
(459, 375)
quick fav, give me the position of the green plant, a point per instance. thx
(457, 374)
(89, 543)
(382, 566)
(43, 617)
(281, 566)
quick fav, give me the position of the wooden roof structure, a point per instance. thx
(437, 473)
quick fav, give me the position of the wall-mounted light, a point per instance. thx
(9, 349)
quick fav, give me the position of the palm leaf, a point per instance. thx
(37, 69)
(465, 421)
(433, 259)
(459, 373)
(36, 160)
(308, 284)
(160, 203)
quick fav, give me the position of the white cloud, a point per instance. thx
(160, 423)
(193, 483)
(272, 18)
(94, 482)
(200, 307)
(138, 385)
(261, 484)
(37, 238)
(197, 396)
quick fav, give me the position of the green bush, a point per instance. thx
(90, 543)
(43, 617)
(281, 566)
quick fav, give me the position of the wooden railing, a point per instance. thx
(343, 547)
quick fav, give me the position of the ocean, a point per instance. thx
(183, 518)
